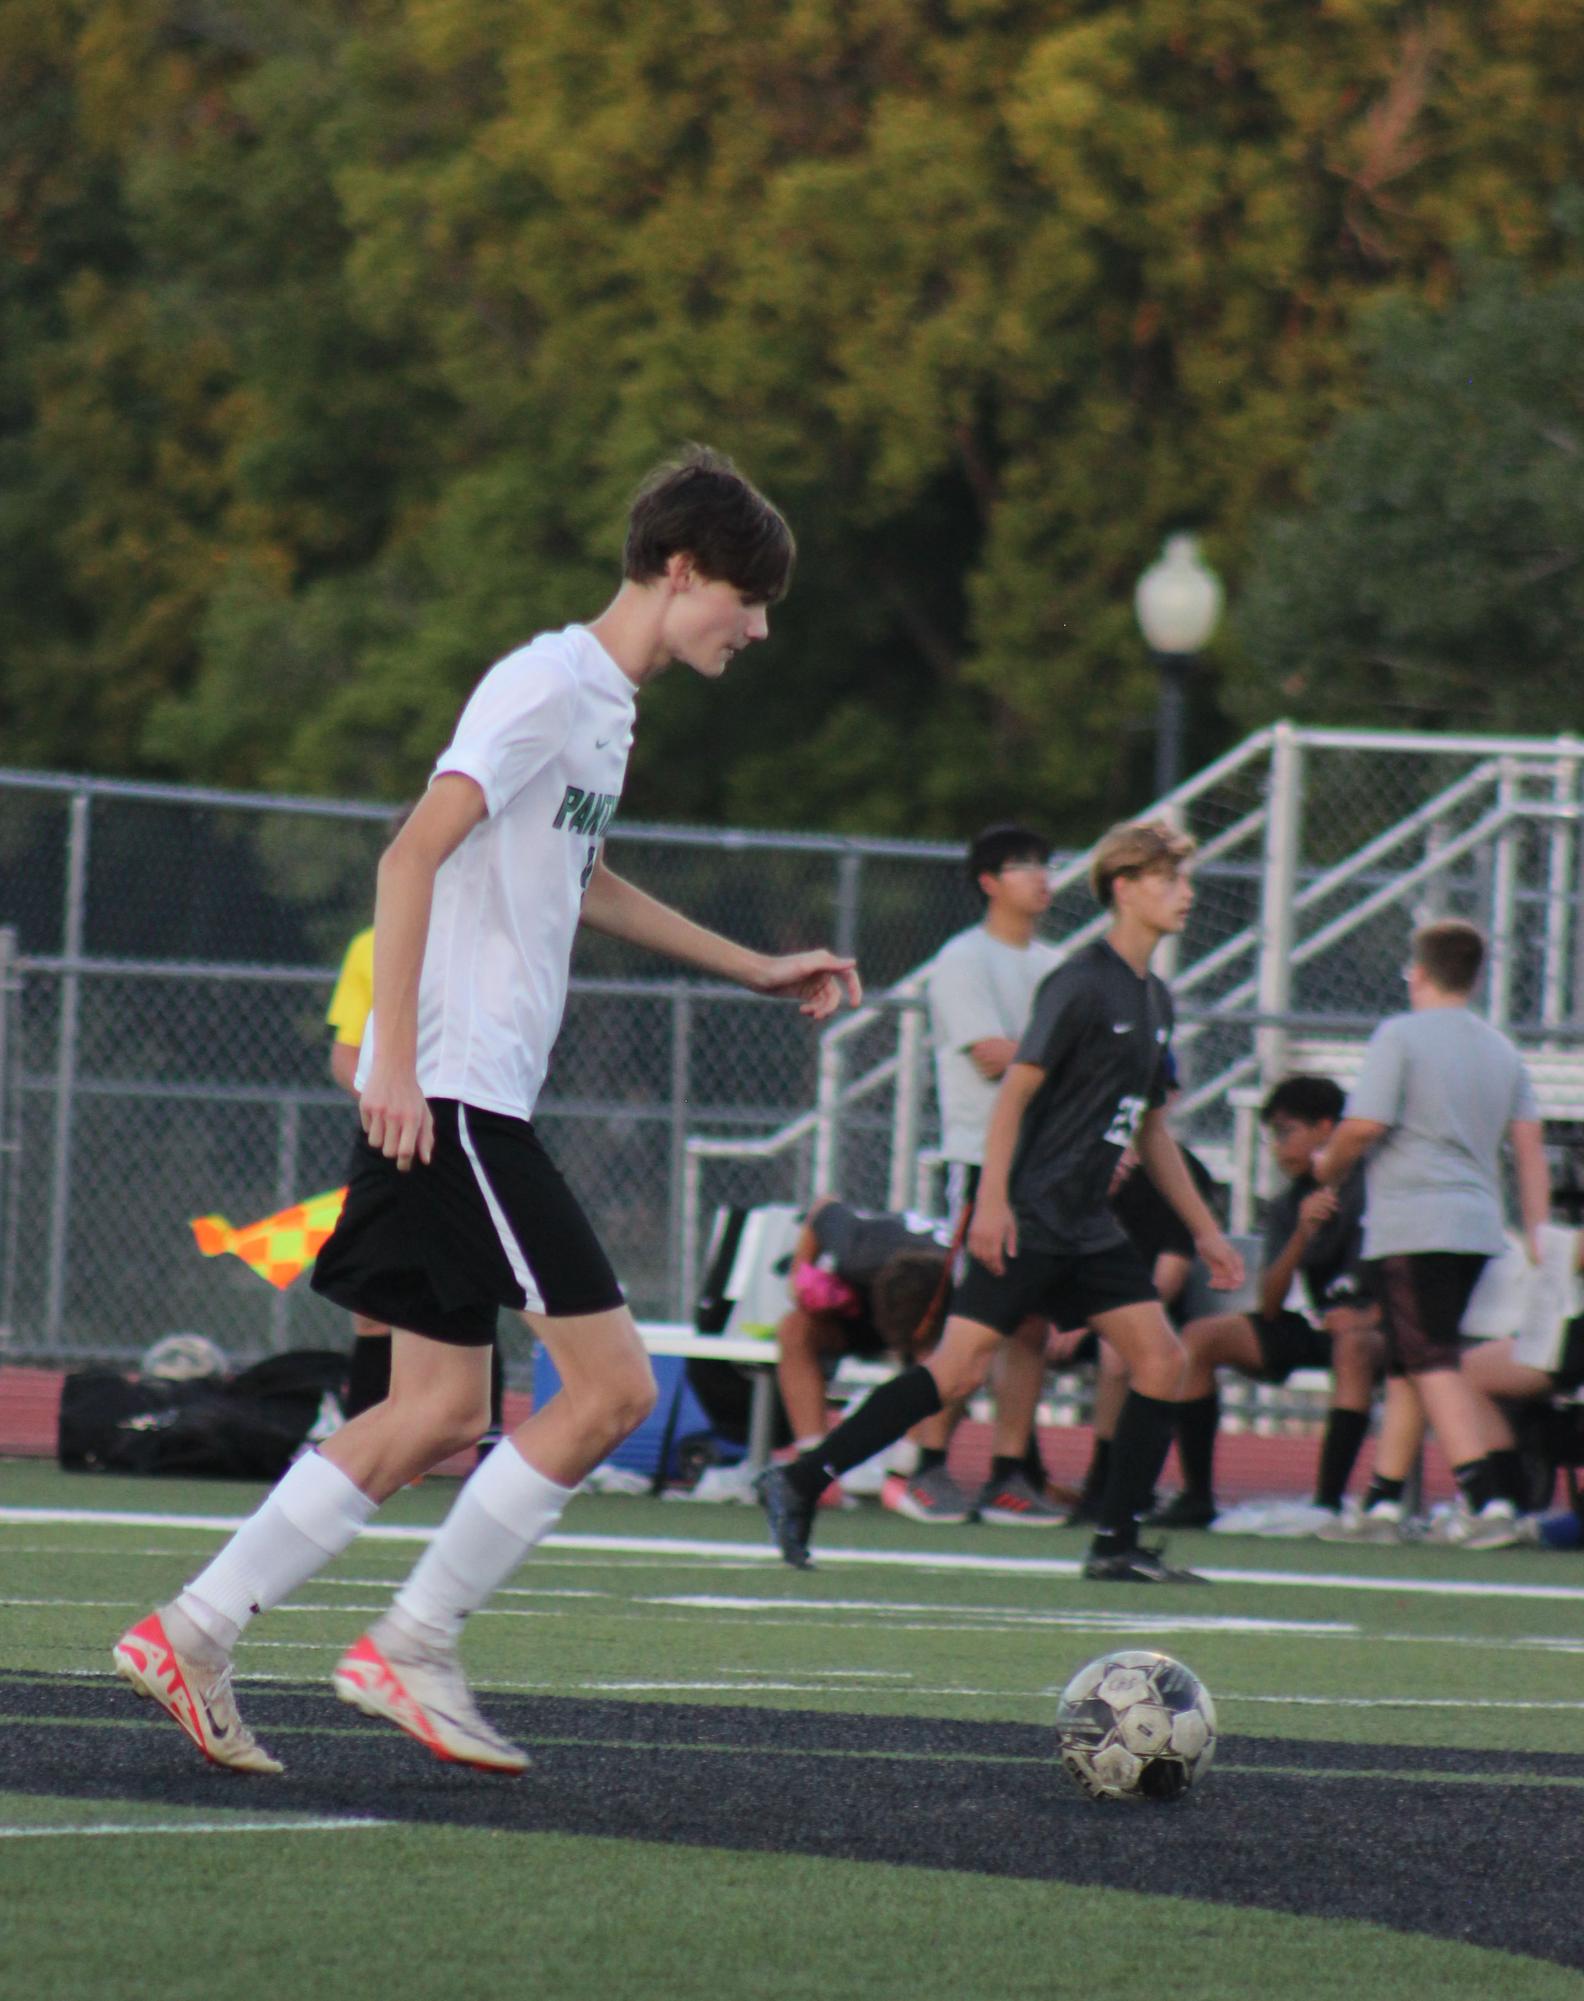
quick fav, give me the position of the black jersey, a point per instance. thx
(856, 1243)
(1330, 1263)
(1100, 1034)
(1152, 1224)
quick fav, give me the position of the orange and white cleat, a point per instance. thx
(419, 1686)
(193, 1685)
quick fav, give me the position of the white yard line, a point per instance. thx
(191, 1827)
(656, 1547)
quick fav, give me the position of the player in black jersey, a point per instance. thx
(1086, 1083)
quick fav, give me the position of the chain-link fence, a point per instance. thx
(163, 1049)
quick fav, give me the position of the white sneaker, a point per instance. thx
(419, 1686)
(1381, 1523)
(193, 1685)
(1494, 1527)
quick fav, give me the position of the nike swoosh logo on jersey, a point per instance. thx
(600, 742)
(1121, 1028)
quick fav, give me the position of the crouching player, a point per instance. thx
(1314, 1235)
(1087, 1080)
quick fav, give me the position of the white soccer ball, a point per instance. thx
(1136, 1726)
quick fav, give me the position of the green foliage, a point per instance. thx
(335, 337)
(1438, 572)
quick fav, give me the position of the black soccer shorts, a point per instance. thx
(1068, 1288)
(489, 1222)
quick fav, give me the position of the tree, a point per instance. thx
(988, 296)
(1436, 578)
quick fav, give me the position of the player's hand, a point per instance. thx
(818, 981)
(1224, 1262)
(1316, 1208)
(1127, 1160)
(397, 1119)
(1531, 1244)
(992, 1234)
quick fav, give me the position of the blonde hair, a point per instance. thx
(1135, 847)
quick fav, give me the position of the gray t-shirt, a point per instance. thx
(1448, 1085)
(978, 988)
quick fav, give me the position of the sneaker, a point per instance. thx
(418, 1685)
(791, 1518)
(192, 1684)
(1183, 1511)
(928, 1497)
(1494, 1527)
(1381, 1523)
(1014, 1503)
(1136, 1566)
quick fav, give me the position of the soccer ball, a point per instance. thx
(1136, 1726)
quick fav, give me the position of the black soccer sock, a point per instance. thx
(896, 1406)
(930, 1456)
(1143, 1438)
(1007, 1466)
(1476, 1483)
(1197, 1424)
(368, 1373)
(1382, 1489)
(1033, 1464)
(1345, 1432)
(1507, 1472)
(1099, 1471)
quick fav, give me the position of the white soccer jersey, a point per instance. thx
(545, 735)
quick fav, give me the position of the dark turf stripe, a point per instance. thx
(1488, 1869)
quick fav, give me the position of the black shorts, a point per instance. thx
(1288, 1341)
(1423, 1296)
(1569, 1371)
(488, 1223)
(1067, 1288)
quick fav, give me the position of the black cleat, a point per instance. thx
(1183, 1511)
(791, 1518)
(1136, 1566)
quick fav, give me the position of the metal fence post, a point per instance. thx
(906, 1107)
(10, 1139)
(288, 1123)
(1279, 878)
(1503, 900)
(1561, 865)
(849, 889)
(66, 1066)
(682, 1259)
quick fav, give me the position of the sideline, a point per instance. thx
(831, 1556)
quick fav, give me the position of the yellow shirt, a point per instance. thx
(353, 999)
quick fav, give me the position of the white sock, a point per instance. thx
(312, 1515)
(505, 1508)
(812, 1444)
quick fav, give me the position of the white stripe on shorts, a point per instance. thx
(533, 1299)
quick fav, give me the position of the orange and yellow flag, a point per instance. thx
(279, 1247)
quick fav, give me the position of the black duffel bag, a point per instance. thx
(243, 1427)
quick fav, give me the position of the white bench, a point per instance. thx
(760, 1352)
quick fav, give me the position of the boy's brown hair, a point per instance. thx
(1450, 953)
(1135, 847)
(907, 1301)
(700, 505)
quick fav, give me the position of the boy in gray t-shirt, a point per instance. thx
(1439, 1092)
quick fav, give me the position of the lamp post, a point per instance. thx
(1178, 601)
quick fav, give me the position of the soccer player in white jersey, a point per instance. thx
(453, 1208)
